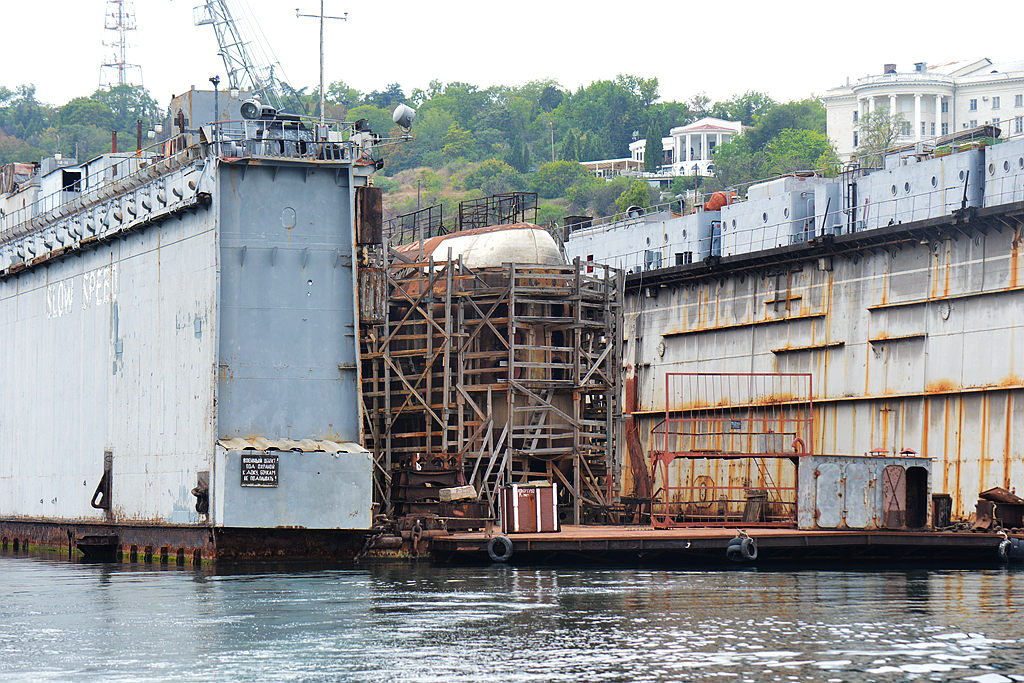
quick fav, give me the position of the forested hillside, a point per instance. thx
(470, 141)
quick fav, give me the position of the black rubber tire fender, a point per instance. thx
(499, 548)
(741, 549)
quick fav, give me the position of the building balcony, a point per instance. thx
(909, 78)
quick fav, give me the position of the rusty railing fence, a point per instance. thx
(736, 437)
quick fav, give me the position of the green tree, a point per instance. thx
(795, 150)
(128, 103)
(637, 194)
(736, 162)
(878, 131)
(495, 177)
(569, 150)
(550, 97)
(553, 178)
(746, 108)
(23, 115)
(806, 114)
(86, 111)
(388, 98)
(700, 105)
(518, 156)
(654, 150)
(457, 142)
(340, 92)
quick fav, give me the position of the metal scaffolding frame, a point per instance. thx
(490, 376)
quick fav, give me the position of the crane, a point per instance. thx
(248, 63)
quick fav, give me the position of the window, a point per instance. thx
(995, 121)
(924, 129)
(1018, 124)
(904, 127)
(995, 103)
(973, 123)
(945, 129)
(974, 105)
(856, 114)
(1018, 100)
(933, 129)
(945, 107)
(855, 142)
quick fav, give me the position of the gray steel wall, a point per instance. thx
(919, 347)
(111, 348)
(287, 365)
(233, 318)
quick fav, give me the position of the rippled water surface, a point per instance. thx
(74, 621)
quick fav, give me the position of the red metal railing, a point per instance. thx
(747, 419)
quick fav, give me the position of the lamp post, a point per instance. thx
(321, 17)
(552, 125)
(216, 113)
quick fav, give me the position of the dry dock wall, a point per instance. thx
(231, 319)
(914, 335)
(111, 349)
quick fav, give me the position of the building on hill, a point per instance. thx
(933, 100)
(687, 149)
(610, 168)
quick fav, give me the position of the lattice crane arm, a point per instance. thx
(244, 70)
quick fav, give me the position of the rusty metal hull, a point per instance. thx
(185, 544)
(913, 334)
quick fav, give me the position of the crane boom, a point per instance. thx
(246, 64)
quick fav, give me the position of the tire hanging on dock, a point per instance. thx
(499, 548)
(741, 549)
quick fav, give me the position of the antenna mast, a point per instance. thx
(247, 64)
(118, 20)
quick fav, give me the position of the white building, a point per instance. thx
(932, 100)
(689, 149)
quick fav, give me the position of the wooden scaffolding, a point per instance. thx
(490, 376)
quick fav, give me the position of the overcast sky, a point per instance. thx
(787, 49)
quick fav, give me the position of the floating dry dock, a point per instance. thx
(179, 345)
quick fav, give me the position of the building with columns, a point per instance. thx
(689, 148)
(932, 100)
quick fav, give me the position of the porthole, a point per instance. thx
(1006, 166)
(785, 213)
(991, 170)
(961, 176)
(684, 234)
(764, 217)
(935, 181)
(734, 222)
(1020, 162)
(893, 190)
(906, 188)
(648, 241)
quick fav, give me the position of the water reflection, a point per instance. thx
(62, 620)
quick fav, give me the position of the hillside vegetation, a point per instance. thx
(469, 141)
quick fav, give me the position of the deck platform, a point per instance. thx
(707, 546)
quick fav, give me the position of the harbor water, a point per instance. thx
(65, 620)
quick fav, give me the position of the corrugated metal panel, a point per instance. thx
(308, 445)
